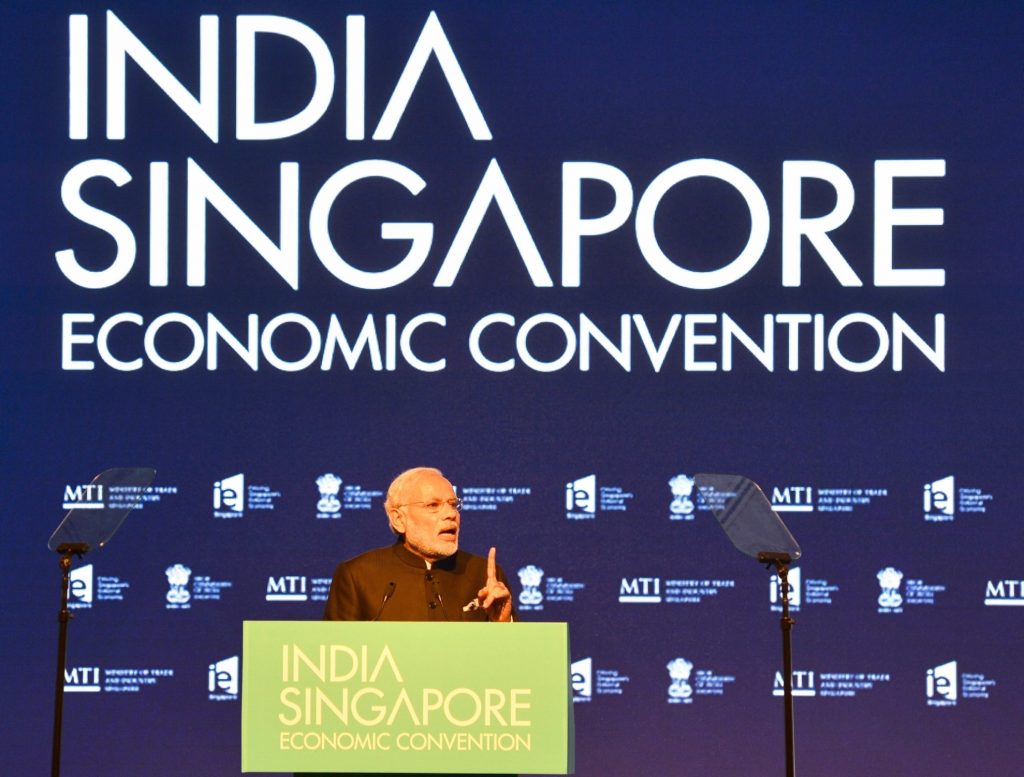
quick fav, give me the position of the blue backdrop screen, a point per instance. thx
(572, 254)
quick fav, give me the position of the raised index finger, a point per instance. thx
(492, 567)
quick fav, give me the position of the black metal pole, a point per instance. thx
(62, 643)
(787, 668)
(66, 550)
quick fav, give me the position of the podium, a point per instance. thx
(336, 697)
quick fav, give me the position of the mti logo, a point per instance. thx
(634, 590)
(803, 684)
(793, 499)
(1004, 593)
(287, 588)
(85, 497)
(82, 679)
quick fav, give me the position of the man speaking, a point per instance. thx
(423, 576)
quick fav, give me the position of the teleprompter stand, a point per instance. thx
(781, 563)
(66, 550)
(747, 518)
(92, 520)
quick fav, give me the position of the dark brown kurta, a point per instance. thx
(413, 592)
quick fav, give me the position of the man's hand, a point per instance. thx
(495, 596)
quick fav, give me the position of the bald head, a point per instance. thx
(423, 510)
(398, 490)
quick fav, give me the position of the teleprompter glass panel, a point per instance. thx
(96, 511)
(745, 515)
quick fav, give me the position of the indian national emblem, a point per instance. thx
(889, 579)
(329, 484)
(679, 670)
(177, 578)
(682, 504)
(530, 577)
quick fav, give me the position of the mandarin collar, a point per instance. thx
(409, 558)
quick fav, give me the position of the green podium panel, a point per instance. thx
(406, 697)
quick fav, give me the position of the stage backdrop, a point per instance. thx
(572, 254)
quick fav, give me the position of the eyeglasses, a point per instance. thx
(434, 505)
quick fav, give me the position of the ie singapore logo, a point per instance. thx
(229, 496)
(941, 685)
(581, 497)
(222, 679)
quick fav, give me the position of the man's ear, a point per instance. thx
(397, 520)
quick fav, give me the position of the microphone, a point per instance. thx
(387, 597)
(438, 600)
(440, 603)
